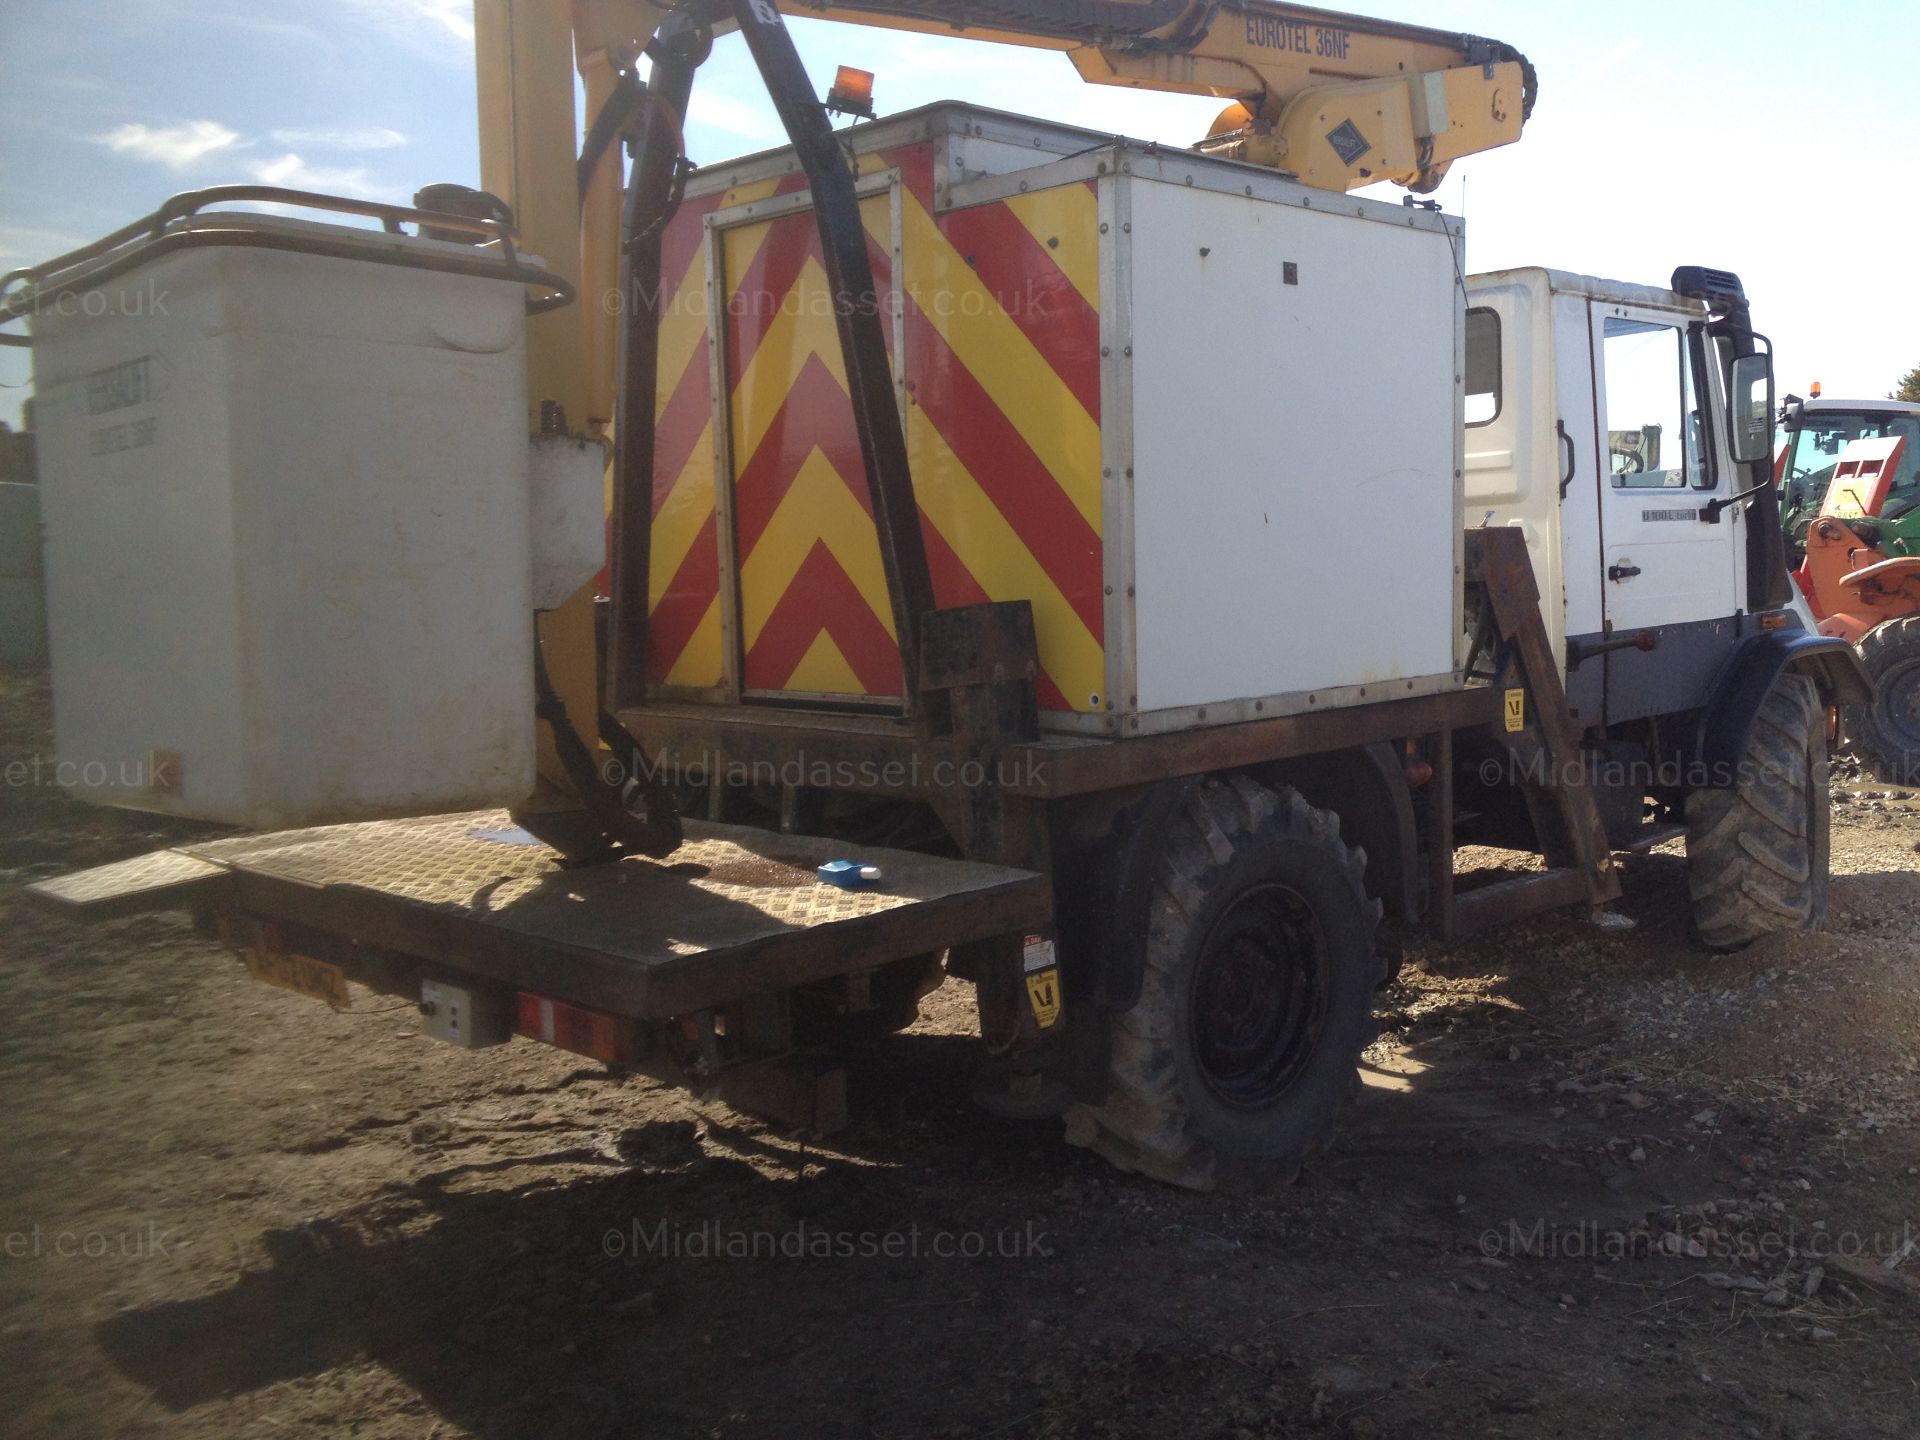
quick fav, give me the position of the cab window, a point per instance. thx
(1483, 367)
(1817, 445)
(1656, 430)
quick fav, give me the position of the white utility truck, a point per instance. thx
(984, 509)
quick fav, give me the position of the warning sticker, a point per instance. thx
(1039, 954)
(1043, 993)
(1347, 142)
(1516, 712)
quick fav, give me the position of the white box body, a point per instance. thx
(1295, 528)
(287, 554)
(1279, 445)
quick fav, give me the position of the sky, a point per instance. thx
(1781, 142)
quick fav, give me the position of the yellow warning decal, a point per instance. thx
(1516, 709)
(1043, 993)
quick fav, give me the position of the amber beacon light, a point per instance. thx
(852, 92)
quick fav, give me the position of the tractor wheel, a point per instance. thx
(1757, 853)
(1256, 1000)
(1887, 731)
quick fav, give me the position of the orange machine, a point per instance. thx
(1848, 579)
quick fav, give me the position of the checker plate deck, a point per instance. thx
(733, 912)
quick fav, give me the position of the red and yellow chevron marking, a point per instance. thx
(1001, 357)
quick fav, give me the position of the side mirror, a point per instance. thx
(1750, 403)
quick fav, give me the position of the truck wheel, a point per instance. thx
(1255, 1002)
(1757, 853)
(1887, 731)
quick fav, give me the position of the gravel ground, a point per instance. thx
(1599, 1183)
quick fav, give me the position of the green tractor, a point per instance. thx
(1813, 433)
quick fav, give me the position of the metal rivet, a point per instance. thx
(1106, 350)
(1107, 473)
(1053, 242)
(1109, 590)
(1127, 351)
(1103, 227)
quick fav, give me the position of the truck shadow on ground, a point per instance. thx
(522, 1294)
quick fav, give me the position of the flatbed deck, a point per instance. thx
(734, 912)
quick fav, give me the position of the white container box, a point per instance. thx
(287, 554)
(1205, 419)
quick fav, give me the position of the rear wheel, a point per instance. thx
(1256, 1001)
(1886, 730)
(1757, 852)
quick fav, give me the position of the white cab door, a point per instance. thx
(1661, 463)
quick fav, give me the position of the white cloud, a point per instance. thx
(734, 116)
(1614, 57)
(296, 174)
(454, 16)
(368, 137)
(32, 245)
(175, 146)
(423, 25)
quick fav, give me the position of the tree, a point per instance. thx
(1909, 387)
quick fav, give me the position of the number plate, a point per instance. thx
(301, 974)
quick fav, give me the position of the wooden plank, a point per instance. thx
(1516, 899)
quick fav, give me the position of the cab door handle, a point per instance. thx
(1622, 572)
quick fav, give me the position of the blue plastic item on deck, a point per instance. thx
(848, 873)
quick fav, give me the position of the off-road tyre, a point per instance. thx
(1256, 999)
(1886, 731)
(1757, 853)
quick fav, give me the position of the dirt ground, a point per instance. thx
(1599, 1183)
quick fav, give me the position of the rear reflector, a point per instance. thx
(571, 1027)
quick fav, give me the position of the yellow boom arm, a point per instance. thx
(1340, 100)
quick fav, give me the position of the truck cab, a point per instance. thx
(1596, 417)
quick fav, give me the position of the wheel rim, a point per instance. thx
(1900, 702)
(1259, 996)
